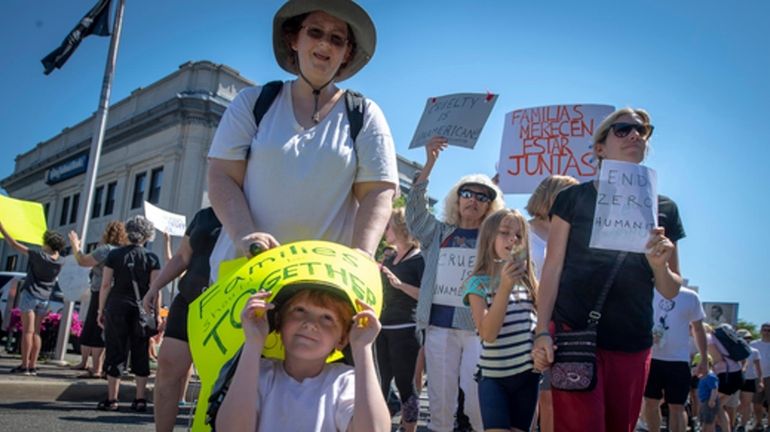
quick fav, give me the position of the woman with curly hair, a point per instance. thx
(43, 268)
(91, 341)
(127, 269)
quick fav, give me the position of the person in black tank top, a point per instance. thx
(175, 359)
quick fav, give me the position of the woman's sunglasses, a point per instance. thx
(621, 130)
(480, 196)
(318, 34)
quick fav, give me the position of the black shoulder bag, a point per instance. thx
(574, 366)
(147, 320)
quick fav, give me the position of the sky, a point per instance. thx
(700, 68)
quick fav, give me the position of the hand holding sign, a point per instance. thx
(254, 318)
(366, 327)
(626, 207)
(458, 117)
(659, 248)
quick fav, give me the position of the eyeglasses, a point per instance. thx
(318, 34)
(479, 196)
(766, 329)
(621, 130)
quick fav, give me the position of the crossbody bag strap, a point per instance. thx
(135, 284)
(596, 314)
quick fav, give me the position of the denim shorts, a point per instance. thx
(509, 402)
(28, 302)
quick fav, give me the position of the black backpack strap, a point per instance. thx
(356, 107)
(265, 100)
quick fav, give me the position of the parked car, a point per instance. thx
(11, 282)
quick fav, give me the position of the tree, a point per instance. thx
(751, 327)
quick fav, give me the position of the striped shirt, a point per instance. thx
(510, 353)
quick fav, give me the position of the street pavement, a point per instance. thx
(57, 399)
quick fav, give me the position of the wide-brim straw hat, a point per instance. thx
(346, 10)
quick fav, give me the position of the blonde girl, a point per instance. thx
(502, 292)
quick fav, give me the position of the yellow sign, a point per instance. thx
(213, 319)
(24, 220)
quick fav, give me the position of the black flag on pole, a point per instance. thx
(96, 21)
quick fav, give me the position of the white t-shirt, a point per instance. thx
(751, 369)
(537, 251)
(322, 403)
(299, 182)
(764, 354)
(671, 331)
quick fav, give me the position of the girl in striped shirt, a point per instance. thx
(501, 293)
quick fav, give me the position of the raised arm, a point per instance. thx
(83, 260)
(370, 412)
(229, 203)
(237, 412)
(375, 203)
(12, 241)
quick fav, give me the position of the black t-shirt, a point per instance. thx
(203, 233)
(42, 271)
(398, 307)
(120, 261)
(626, 321)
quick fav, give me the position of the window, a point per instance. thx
(97, 202)
(74, 209)
(138, 197)
(109, 202)
(46, 207)
(91, 246)
(10, 262)
(65, 209)
(156, 181)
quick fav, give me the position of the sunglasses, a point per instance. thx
(318, 34)
(621, 130)
(468, 194)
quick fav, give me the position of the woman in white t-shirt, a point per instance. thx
(299, 175)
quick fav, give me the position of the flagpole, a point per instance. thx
(100, 125)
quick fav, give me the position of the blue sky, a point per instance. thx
(699, 67)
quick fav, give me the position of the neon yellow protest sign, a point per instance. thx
(24, 220)
(213, 320)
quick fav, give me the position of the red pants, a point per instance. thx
(614, 404)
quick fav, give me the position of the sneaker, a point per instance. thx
(19, 370)
(32, 372)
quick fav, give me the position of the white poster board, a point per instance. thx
(73, 279)
(165, 221)
(457, 117)
(720, 313)
(626, 207)
(548, 140)
(455, 265)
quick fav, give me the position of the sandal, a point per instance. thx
(88, 375)
(108, 405)
(139, 405)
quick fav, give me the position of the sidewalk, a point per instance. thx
(57, 383)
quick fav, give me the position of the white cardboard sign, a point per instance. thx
(457, 117)
(165, 221)
(548, 140)
(626, 207)
(73, 279)
(454, 267)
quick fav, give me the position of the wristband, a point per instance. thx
(541, 334)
